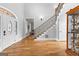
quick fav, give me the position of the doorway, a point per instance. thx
(30, 25)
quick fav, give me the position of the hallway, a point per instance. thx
(29, 47)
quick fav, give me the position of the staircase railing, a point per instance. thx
(45, 26)
(49, 23)
(58, 9)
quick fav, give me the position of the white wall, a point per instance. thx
(51, 34)
(22, 12)
(62, 19)
(62, 23)
(18, 9)
(35, 11)
(38, 10)
(7, 40)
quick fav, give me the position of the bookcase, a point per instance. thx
(72, 35)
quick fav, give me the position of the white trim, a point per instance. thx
(61, 40)
(9, 11)
(44, 39)
(13, 43)
(10, 44)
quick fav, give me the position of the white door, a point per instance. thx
(0, 34)
(7, 31)
(4, 31)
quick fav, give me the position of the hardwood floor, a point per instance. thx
(30, 47)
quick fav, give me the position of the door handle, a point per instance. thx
(4, 32)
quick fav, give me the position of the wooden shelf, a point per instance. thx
(73, 37)
(74, 34)
(77, 46)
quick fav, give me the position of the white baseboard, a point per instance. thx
(44, 39)
(8, 45)
(61, 40)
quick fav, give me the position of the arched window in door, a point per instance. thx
(7, 11)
